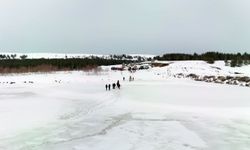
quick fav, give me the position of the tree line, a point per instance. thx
(43, 65)
(12, 64)
(234, 60)
(12, 56)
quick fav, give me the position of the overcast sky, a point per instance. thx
(124, 26)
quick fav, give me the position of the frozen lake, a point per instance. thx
(150, 113)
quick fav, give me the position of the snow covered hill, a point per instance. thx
(202, 68)
(199, 71)
(68, 55)
(156, 111)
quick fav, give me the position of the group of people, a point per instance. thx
(131, 78)
(117, 84)
(108, 86)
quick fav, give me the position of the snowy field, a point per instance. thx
(73, 111)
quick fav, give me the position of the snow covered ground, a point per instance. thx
(202, 68)
(72, 110)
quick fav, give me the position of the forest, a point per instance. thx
(14, 65)
(232, 59)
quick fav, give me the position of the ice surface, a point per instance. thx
(154, 112)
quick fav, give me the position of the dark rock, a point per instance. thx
(192, 76)
(244, 79)
(229, 77)
(222, 78)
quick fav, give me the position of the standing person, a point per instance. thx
(118, 84)
(106, 86)
(123, 78)
(113, 85)
(109, 87)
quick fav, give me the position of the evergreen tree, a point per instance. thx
(23, 56)
(233, 62)
(13, 56)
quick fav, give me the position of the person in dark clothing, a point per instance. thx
(106, 86)
(118, 84)
(109, 87)
(113, 85)
(123, 78)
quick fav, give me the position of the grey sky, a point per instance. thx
(124, 26)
